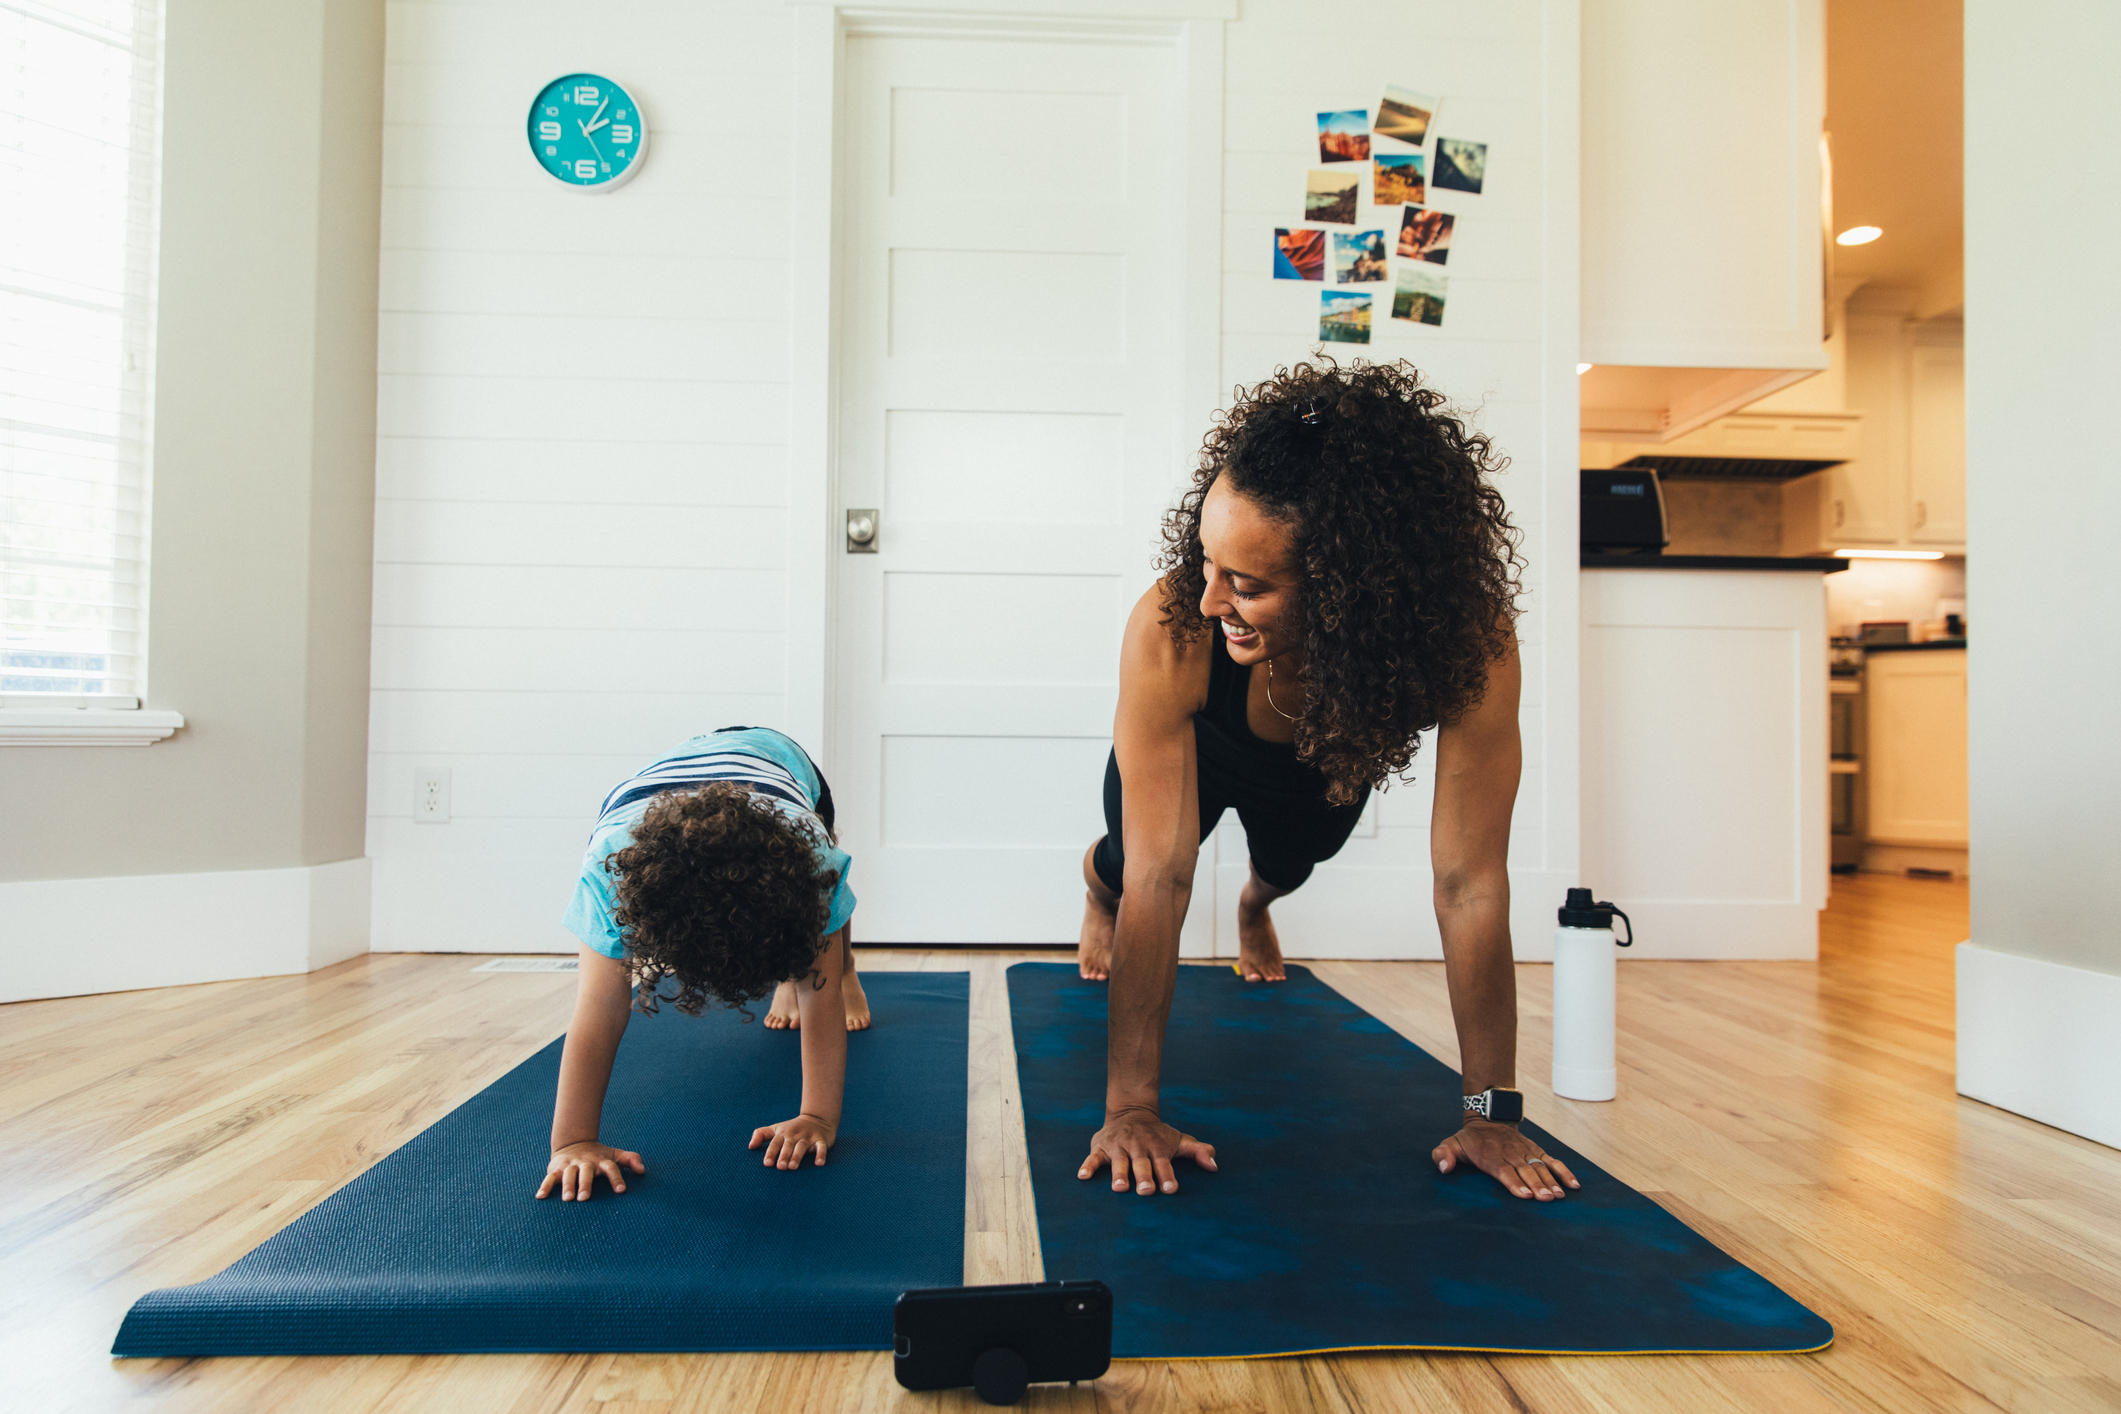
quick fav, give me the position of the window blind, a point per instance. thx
(80, 125)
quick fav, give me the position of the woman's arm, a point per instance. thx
(1478, 761)
(603, 1001)
(1152, 736)
(823, 1011)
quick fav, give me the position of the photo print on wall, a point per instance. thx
(1404, 116)
(1418, 299)
(1299, 255)
(1399, 181)
(1329, 197)
(1343, 317)
(1344, 137)
(1358, 258)
(1426, 235)
(1460, 165)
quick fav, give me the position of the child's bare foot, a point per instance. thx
(784, 1015)
(1093, 950)
(1258, 950)
(856, 1001)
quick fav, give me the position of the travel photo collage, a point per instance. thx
(1396, 155)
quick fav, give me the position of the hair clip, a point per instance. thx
(1311, 415)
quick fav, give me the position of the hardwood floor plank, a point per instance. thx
(1801, 1115)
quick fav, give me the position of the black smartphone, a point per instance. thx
(998, 1339)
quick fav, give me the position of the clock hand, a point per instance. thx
(597, 119)
(590, 140)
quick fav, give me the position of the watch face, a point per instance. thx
(588, 132)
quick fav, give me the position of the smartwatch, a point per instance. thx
(1497, 1104)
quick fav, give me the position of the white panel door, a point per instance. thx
(1010, 403)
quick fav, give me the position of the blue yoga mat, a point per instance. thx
(1328, 1227)
(440, 1247)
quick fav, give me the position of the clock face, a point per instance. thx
(587, 132)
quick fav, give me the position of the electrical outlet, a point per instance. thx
(430, 795)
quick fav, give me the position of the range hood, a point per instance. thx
(1745, 446)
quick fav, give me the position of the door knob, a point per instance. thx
(861, 532)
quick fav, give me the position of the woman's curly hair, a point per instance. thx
(1409, 560)
(722, 893)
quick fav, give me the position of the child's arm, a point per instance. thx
(824, 1032)
(602, 1002)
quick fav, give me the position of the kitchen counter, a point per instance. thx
(1820, 564)
(1931, 646)
(1704, 751)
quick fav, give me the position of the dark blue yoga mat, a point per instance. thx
(1328, 1228)
(440, 1247)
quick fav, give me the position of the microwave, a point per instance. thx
(1623, 511)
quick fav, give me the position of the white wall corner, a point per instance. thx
(813, 393)
(339, 897)
(2041, 1039)
(73, 937)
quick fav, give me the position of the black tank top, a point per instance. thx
(1225, 745)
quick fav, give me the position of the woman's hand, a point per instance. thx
(1141, 1149)
(1508, 1157)
(574, 1169)
(788, 1141)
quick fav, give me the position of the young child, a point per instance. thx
(714, 867)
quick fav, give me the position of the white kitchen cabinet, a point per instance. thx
(1701, 217)
(1906, 486)
(1936, 445)
(1916, 739)
(1851, 505)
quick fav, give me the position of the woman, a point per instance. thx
(1340, 578)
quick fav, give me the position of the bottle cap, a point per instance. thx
(1581, 912)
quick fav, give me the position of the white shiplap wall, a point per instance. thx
(582, 463)
(583, 479)
(1505, 353)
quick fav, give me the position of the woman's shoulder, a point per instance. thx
(1159, 667)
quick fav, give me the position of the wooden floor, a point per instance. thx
(1801, 1115)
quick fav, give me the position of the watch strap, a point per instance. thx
(1498, 1104)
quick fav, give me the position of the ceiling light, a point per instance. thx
(1890, 554)
(1583, 368)
(1858, 235)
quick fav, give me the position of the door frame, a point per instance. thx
(1194, 28)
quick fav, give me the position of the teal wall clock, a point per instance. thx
(588, 132)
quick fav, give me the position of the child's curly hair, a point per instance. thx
(1409, 560)
(721, 892)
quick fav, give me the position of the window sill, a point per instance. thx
(85, 727)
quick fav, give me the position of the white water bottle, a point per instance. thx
(1585, 962)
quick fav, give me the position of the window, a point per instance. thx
(80, 138)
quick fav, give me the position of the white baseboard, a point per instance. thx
(2041, 1039)
(1721, 930)
(70, 937)
(1383, 914)
(1372, 913)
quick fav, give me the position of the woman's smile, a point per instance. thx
(1240, 635)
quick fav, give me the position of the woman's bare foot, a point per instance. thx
(1258, 950)
(855, 1000)
(1093, 951)
(784, 1015)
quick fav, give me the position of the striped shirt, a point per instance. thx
(772, 765)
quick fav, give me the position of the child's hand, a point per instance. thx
(788, 1141)
(574, 1169)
